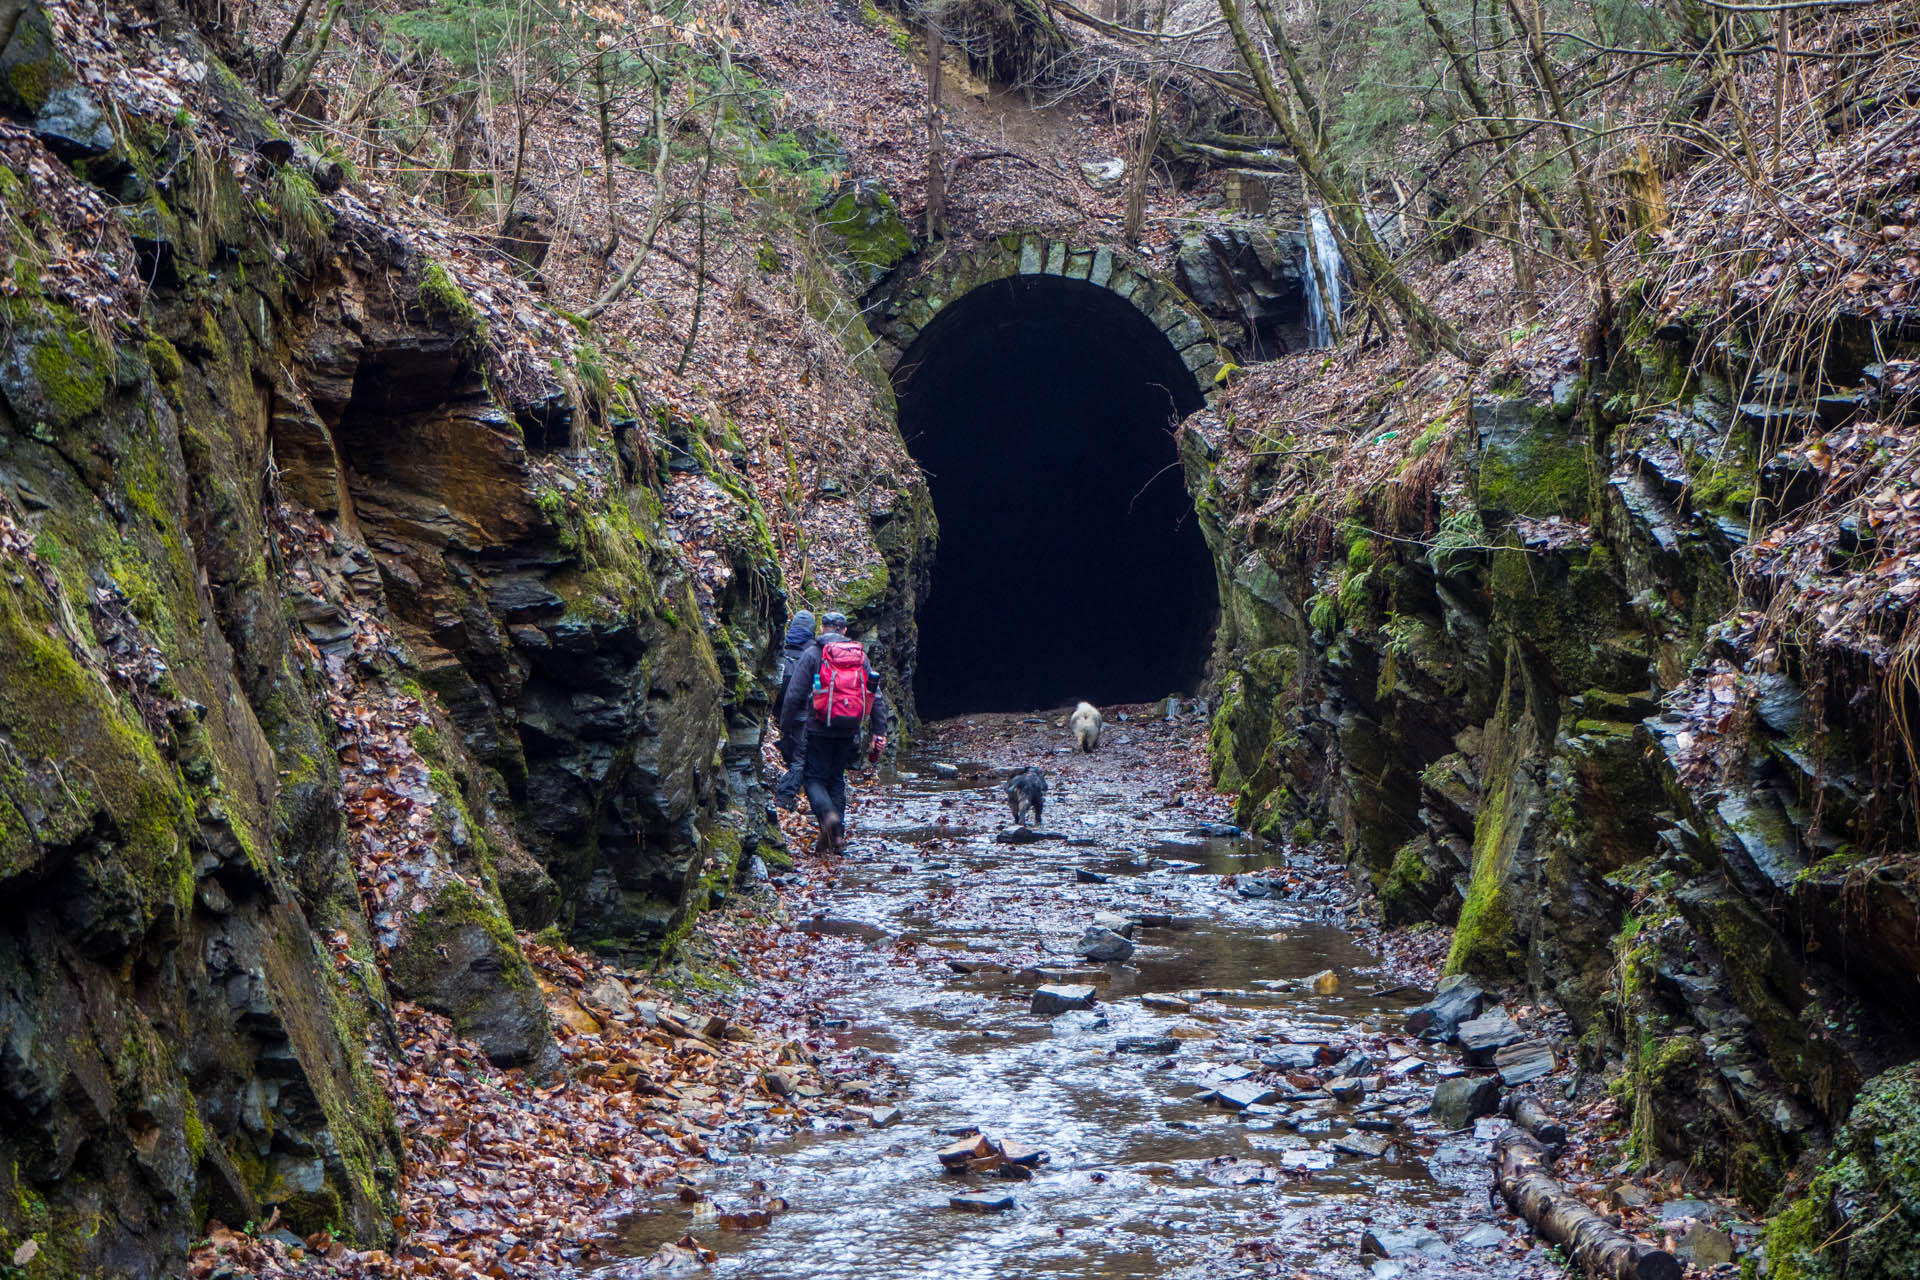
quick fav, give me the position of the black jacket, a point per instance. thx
(796, 699)
(799, 639)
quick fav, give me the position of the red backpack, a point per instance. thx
(840, 686)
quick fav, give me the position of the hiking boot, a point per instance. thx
(830, 840)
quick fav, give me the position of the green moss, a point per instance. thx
(896, 30)
(164, 360)
(865, 592)
(104, 769)
(1537, 468)
(195, 1127)
(872, 237)
(1860, 1217)
(73, 372)
(1222, 765)
(1484, 939)
(440, 295)
(1412, 884)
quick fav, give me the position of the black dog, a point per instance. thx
(1027, 790)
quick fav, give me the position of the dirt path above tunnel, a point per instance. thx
(1236, 1097)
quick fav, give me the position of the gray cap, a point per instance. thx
(834, 620)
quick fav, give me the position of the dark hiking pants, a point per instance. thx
(786, 792)
(827, 761)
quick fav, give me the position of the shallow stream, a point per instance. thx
(1145, 1174)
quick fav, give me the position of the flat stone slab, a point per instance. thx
(1165, 1003)
(1292, 1057)
(1364, 1145)
(1482, 1037)
(1519, 1063)
(982, 1202)
(1241, 1094)
(1052, 999)
(1146, 1044)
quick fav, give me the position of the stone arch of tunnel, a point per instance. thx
(1042, 409)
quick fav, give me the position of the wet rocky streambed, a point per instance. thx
(1241, 1097)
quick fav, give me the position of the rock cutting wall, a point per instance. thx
(1484, 680)
(333, 648)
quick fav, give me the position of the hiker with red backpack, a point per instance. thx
(832, 694)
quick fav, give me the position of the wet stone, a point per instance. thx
(1049, 1000)
(1113, 922)
(982, 1202)
(1363, 1145)
(1482, 1037)
(1347, 1088)
(1244, 1093)
(1483, 1235)
(1084, 876)
(1459, 1102)
(1519, 1063)
(1457, 1000)
(1103, 945)
(1291, 1057)
(1385, 1242)
(1165, 1003)
(1146, 1044)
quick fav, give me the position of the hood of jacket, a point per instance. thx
(800, 631)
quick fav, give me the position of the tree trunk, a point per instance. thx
(1350, 227)
(1595, 1245)
(936, 134)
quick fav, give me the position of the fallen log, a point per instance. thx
(1595, 1245)
(1525, 1110)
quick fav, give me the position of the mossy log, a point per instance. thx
(1595, 1245)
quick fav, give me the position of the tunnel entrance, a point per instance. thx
(1070, 563)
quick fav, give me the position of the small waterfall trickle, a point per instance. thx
(1323, 263)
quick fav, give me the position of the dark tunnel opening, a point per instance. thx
(1070, 563)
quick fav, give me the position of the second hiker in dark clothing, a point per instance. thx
(792, 745)
(833, 694)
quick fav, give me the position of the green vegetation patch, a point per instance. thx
(1860, 1217)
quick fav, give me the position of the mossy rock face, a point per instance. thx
(55, 376)
(170, 831)
(1415, 884)
(457, 955)
(864, 224)
(31, 68)
(1530, 461)
(1860, 1217)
